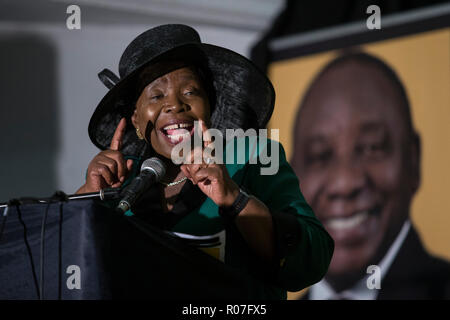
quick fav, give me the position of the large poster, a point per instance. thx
(340, 88)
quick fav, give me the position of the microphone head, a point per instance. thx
(156, 165)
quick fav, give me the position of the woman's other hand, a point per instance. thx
(254, 221)
(108, 169)
(212, 179)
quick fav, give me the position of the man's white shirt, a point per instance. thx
(360, 291)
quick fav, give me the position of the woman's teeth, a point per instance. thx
(177, 132)
(179, 137)
(178, 125)
(348, 222)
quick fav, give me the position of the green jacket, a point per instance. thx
(303, 247)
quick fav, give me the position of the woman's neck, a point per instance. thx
(170, 194)
(173, 171)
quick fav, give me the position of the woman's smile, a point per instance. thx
(177, 130)
(172, 102)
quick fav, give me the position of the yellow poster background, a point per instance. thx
(422, 62)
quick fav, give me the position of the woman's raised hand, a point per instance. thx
(108, 169)
(212, 179)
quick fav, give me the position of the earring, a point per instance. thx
(139, 134)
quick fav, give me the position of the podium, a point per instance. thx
(90, 252)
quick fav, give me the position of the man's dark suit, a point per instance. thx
(415, 274)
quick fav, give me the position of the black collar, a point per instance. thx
(149, 207)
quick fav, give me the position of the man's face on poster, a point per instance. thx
(356, 162)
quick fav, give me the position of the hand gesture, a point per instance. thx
(108, 169)
(212, 178)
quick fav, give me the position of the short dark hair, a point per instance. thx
(365, 58)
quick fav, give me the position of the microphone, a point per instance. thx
(152, 171)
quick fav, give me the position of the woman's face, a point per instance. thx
(168, 106)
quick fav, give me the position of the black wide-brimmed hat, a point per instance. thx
(243, 96)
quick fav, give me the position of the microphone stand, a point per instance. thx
(103, 194)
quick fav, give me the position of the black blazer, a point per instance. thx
(414, 274)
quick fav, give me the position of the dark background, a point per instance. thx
(304, 16)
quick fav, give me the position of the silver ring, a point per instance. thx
(208, 160)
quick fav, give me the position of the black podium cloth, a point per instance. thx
(114, 257)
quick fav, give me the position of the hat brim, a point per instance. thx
(244, 96)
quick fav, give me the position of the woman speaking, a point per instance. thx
(172, 85)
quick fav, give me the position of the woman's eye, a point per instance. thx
(156, 96)
(190, 92)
